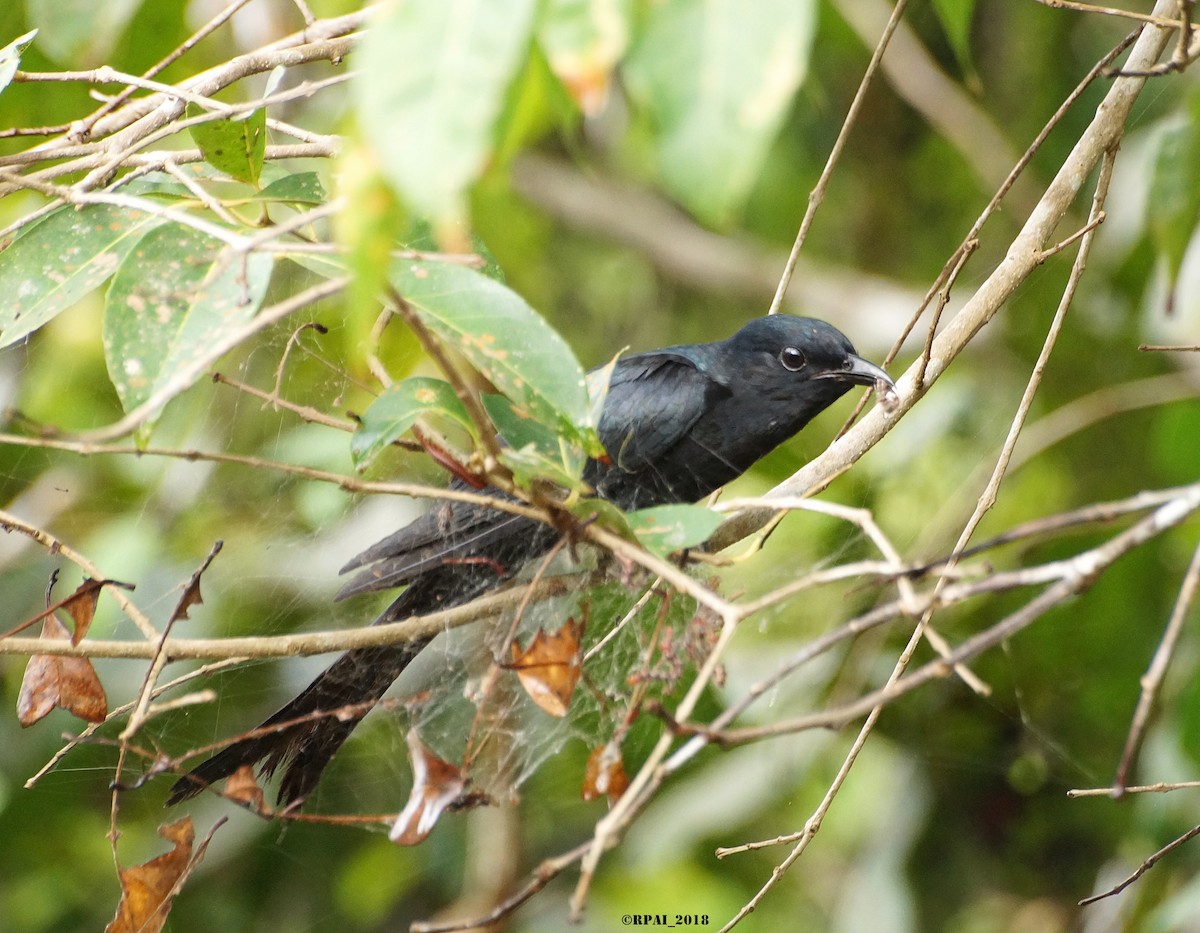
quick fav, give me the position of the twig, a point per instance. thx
(817, 195)
(1153, 678)
(1144, 867)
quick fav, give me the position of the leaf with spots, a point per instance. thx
(399, 408)
(236, 146)
(665, 529)
(493, 328)
(61, 259)
(175, 297)
(300, 188)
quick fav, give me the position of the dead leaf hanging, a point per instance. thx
(60, 681)
(147, 889)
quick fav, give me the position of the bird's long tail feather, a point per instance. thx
(305, 734)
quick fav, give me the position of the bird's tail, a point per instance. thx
(305, 734)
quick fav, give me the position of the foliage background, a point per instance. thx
(956, 817)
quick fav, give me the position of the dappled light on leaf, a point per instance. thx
(604, 774)
(59, 681)
(550, 667)
(147, 889)
(436, 785)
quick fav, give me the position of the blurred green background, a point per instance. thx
(649, 222)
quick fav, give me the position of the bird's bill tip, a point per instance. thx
(863, 372)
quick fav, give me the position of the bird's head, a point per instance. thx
(786, 356)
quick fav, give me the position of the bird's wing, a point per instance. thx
(450, 533)
(653, 400)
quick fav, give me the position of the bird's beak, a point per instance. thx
(862, 372)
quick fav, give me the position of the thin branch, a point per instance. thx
(1153, 678)
(817, 195)
(1144, 867)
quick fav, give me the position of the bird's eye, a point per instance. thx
(792, 359)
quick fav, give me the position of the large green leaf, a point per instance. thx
(502, 337)
(80, 33)
(431, 85)
(717, 79)
(174, 298)
(584, 40)
(60, 260)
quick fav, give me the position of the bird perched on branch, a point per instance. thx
(677, 423)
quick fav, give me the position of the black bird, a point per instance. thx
(677, 424)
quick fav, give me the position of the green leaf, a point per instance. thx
(175, 296)
(10, 57)
(504, 339)
(431, 85)
(1174, 201)
(300, 188)
(400, 406)
(956, 17)
(235, 147)
(535, 450)
(61, 259)
(583, 41)
(80, 33)
(664, 529)
(717, 78)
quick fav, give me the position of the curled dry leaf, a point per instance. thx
(605, 773)
(57, 680)
(436, 785)
(191, 593)
(549, 669)
(82, 606)
(241, 787)
(147, 889)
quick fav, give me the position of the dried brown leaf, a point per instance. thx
(549, 669)
(59, 681)
(604, 773)
(191, 594)
(436, 785)
(148, 889)
(242, 787)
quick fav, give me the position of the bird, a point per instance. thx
(677, 424)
